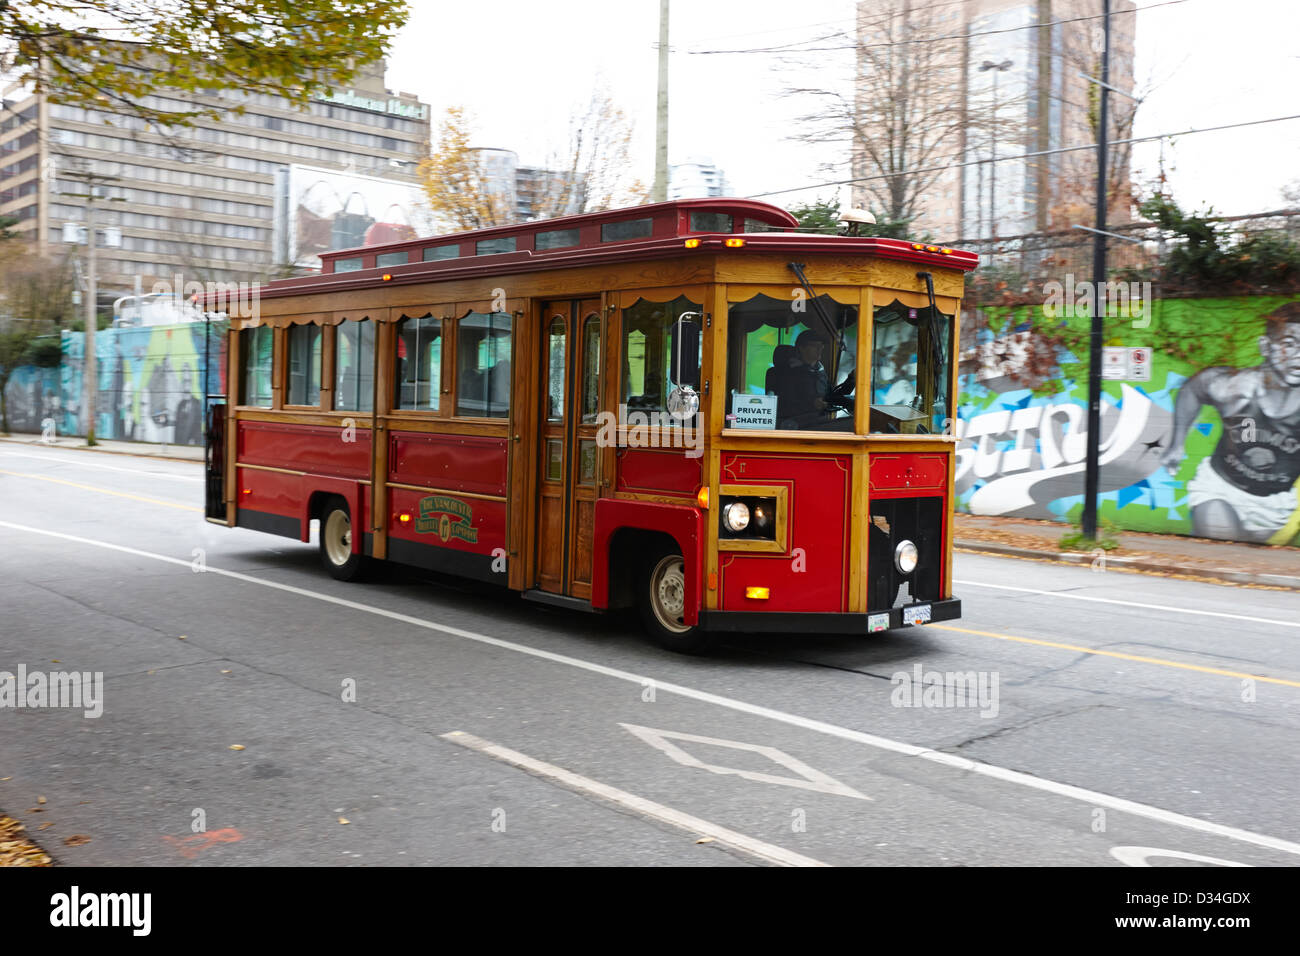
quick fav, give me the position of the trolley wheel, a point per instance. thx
(336, 542)
(662, 593)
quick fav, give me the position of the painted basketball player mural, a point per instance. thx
(1247, 489)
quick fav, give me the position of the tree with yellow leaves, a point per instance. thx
(592, 172)
(456, 180)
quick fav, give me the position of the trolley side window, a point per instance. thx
(304, 364)
(354, 363)
(483, 341)
(418, 363)
(659, 354)
(257, 348)
(910, 349)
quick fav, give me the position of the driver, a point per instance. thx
(803, 386)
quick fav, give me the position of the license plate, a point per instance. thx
(877, 622)
(920, 614)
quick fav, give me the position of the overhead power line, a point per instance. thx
(790, 48)
(1004, 159)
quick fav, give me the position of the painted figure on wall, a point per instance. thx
(1249, 488)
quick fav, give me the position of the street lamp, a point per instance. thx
(993, 164)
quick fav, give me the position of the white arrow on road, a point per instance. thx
(808, 779)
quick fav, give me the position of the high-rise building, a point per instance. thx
(697, 178)
(528, 192)
(237, 199)
(1011, 85)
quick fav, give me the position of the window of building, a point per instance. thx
(354, 366)
(659, 353)
(627, 229)
(257, 348)
(304, 364)
(437, 253)
(392, 258)
(555, 239)
(419, 363)
(492, 247)
(483, 365)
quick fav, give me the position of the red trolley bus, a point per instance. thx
(656, 406)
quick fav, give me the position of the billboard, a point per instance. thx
(325, 209)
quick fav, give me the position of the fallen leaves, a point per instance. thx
(14, 850)
(77, 839)
(344, 820)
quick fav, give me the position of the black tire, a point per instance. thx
(661, 599)
(336, 542)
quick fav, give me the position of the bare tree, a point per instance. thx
(595, 170)
(904, 112)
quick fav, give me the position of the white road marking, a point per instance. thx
(80, 462)
(1153, 607)
(1092, 798)
(809, 778)
(767, 852)
(1137, 856)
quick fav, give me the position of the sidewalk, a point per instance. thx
(140, 449)
(1166, 554)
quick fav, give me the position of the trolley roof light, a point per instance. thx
(853, 220)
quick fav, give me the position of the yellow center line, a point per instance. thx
(1120, 656)
(103, 491)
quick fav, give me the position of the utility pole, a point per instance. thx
(1092, 472)
(90, 373)
(661, 122)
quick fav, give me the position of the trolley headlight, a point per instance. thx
(747, 517)
(736, 516)
(905, 557)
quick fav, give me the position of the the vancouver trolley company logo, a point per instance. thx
(447, 518)
(39, 689)
(74, 908)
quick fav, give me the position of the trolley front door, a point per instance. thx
(569, 463)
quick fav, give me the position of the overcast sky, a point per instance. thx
(520, 68)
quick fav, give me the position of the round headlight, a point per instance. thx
(736, 516)
(905, 557)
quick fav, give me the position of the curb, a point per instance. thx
(1142, 564)
(36, 442)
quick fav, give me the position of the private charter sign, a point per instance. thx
(393, 106)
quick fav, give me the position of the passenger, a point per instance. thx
(803, 387)
(781, 356)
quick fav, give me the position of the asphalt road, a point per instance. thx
(452, 723)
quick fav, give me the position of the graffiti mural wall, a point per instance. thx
(31, 396)
(150, 382)
(1200, 427)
